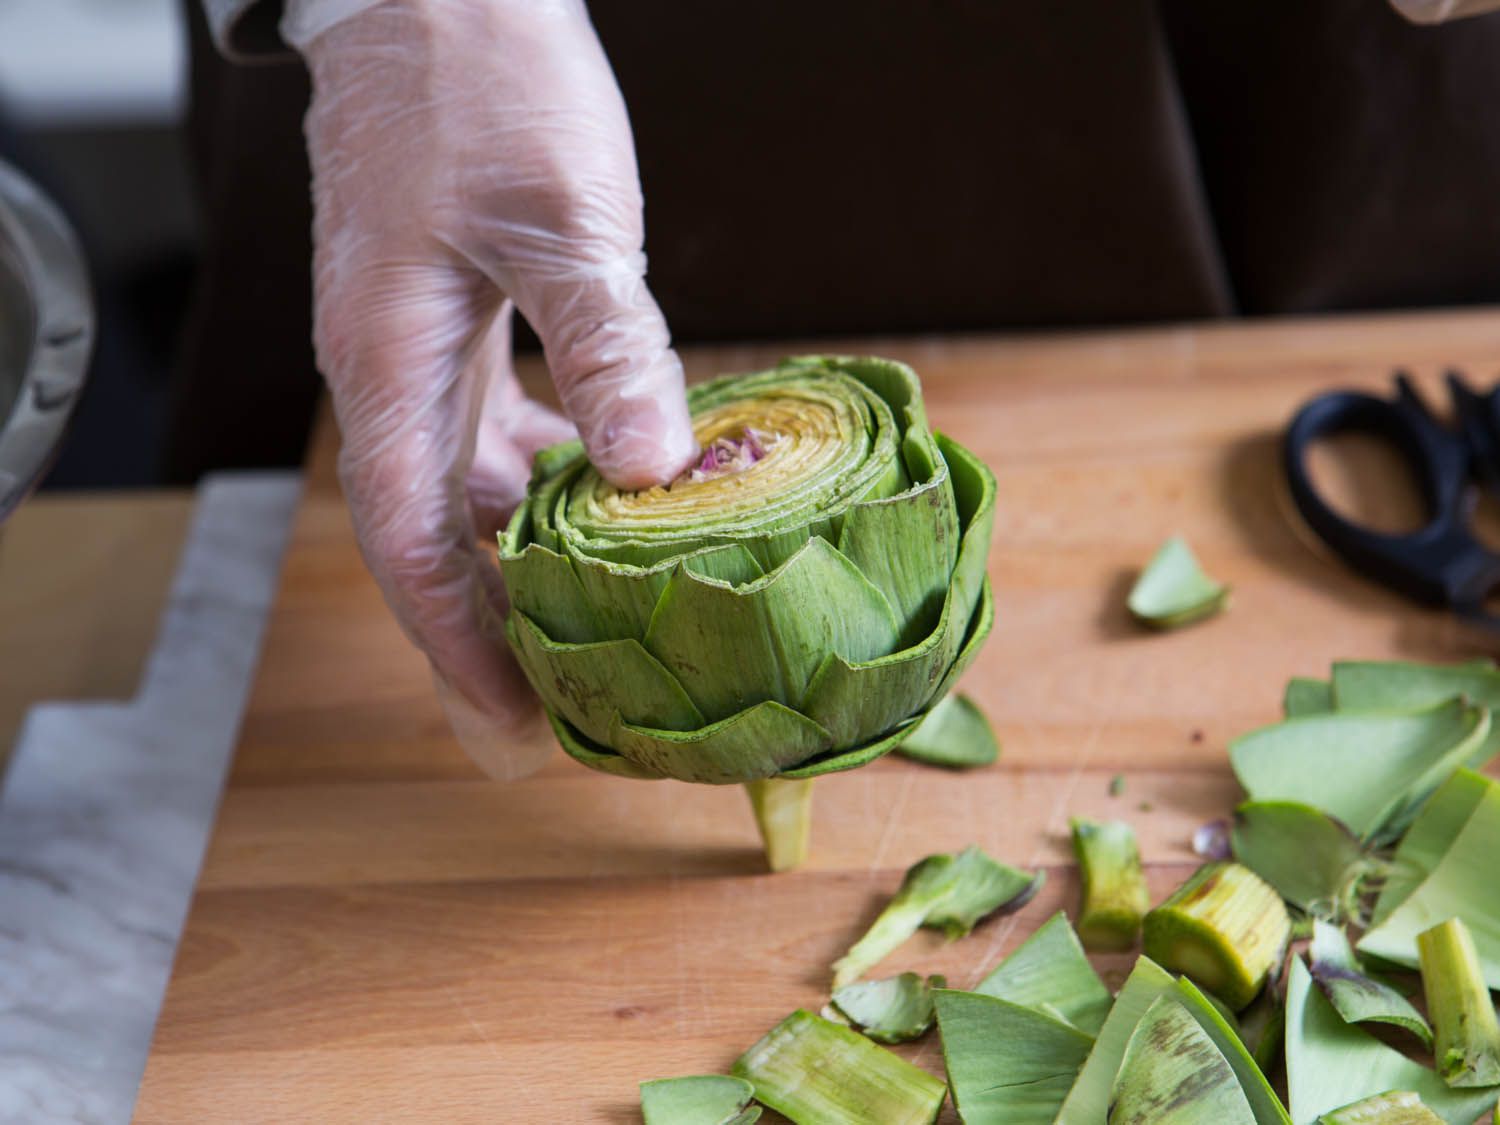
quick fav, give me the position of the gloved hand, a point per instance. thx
(467, 154)
(1441, 11)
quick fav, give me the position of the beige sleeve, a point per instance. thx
(1440, 11)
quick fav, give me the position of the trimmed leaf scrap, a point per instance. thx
(955, 734)
(1357, 997)
(947, 892)
(1173, 590)
(894, 1010)
(1050, 972)
(815, 1072)
(703, 1099)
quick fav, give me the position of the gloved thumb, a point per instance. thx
(619, 380)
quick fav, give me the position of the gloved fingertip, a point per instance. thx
(642, 442)
(506, 749)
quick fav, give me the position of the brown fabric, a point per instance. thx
(895, 165)
(1352, 159)
(246, 383)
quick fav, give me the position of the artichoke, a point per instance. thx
(790, 607)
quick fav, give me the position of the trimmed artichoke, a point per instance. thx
(789, 608)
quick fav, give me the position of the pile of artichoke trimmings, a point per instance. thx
(790, 607)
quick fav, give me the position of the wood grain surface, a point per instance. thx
(380, 934)
(83, 580)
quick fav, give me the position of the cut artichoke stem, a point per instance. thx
(783, 813)
(815, 1072)
(1225, 928)
(1115, 898)
(1465, 1032)
(1399, 1107)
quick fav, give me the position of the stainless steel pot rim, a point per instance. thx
(37, 244)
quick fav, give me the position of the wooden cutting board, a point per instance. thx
(380, 934)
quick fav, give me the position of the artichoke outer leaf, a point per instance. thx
(1050, 968)
(979, 630)
(1088, 1101)
(814, 1071)
(1306, 696)
(1431, 835)
(1007, 1064)
(543, 585)
(734, 647)
(858, 701)
(1312, 860)
(758, 742)
(700, 1099)
(1398, 685)
(955, 734)
(1398, 1107)
(1369, 770)
(1357, 997)
(848, 759)
(1444, 868)
(586, 752)
(906, 545)
(1331, 1064)
(947, 892)
(1173, 1074)
(894, 1010)
(974, 493)
(587, 684)
(1173, 590)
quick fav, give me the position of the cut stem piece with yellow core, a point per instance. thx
(783, 813)
(1466, 1034)
(1224, 928)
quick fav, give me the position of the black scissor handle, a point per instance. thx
(1439, 564)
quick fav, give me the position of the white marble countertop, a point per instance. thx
(104, 816)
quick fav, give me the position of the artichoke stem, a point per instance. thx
(783, 813)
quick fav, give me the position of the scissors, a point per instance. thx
(1441, 563)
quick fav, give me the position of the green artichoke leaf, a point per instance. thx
(1371, 771)
(1173, 1074)
(1088, 1101)
(955, 734)
(894, 1010)
(1008, 1064)
(1305, 696)
(1356, 997)
(785, 625)
(1312, 860)
(1398, 1107)
(1399, 685)
(589, 684)
(1173, 591)
(1444, 868)
(700, 1099)
(947, 892)
(815, 1072)
(1050, 968)
(758, 742)
(588, 753)
(1330, 1063)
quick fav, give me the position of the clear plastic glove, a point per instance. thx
(467, 154)
(1441, 11)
